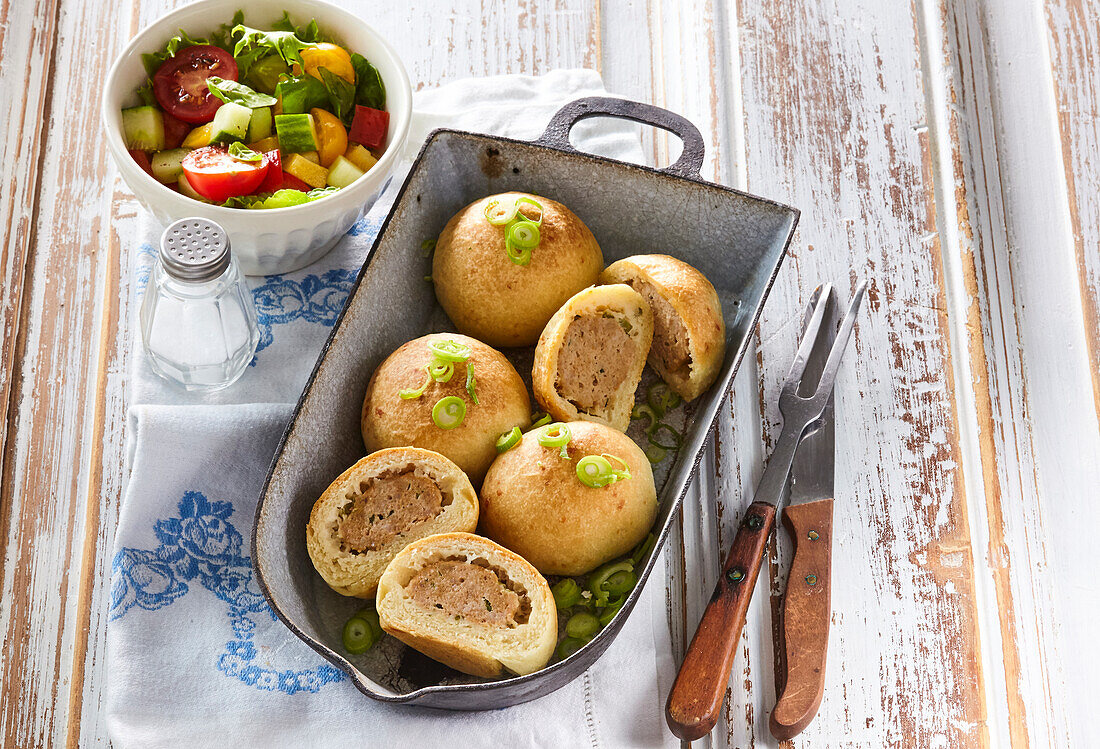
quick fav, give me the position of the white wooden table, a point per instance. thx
(949, 150)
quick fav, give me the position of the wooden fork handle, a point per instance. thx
(696, 697)
(806, 614)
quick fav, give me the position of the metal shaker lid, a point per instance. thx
(194, 249)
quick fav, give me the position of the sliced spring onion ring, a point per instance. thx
(358, 636)
(471, 383)
(595, 471)
(427, 246)
(645, 411)
(441, 371)
(556, 435)
(518, 255)
(520, 202)
(661, 398)
(508, 440)
(621, 582)
(499, 214)
(642, 549)
(677, 438)
(410, 394)
(523, 234)
(539, 419)
(449, 351)
(598, 580)
(655, 454)
(568, 646)
(566, 593)
(620, 473)
(610, 610)
(582, 626)
(449, 412)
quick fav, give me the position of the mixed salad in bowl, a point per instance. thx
(249, 118)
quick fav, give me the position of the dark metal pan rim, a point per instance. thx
(549, 141)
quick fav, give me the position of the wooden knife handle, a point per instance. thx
(696, 696)
(806, 614)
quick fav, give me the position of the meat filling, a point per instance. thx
(467, 591)
(595, 358)
(387, 506)
(670, 337)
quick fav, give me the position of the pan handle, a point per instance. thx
(691, 159)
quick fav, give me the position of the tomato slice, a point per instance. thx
(180, 82)
(273, 177)
(175, 130)
(142, 160)
(216, 175)
(290, 182)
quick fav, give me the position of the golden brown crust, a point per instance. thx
(479, 650)
(491, 298)
(696, 302)
(533, 503)
(357, 573)
(619, 300)
(389, 420)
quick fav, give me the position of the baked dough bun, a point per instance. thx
(493, 299)
(380, 505)
(436, 611)
(390, 421)
(591, 354)
(689, 334)
(533, 502)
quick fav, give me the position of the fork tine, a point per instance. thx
(828, 374)
(809, 337)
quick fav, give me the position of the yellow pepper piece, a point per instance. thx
(199, 137)
(270, 143)
(360, 156)
(332, 136)
(312, 174)
(326, 55)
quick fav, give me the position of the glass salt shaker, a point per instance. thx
(198, 322)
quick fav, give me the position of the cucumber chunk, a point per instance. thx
(259, 126)
(342, 172)
(297, 132)
(186, 189)
(168, 165)
(143, 128)
(230, 123)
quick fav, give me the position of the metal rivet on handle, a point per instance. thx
(811, 579)
(735, 574)
(754, 522)
(813, 535)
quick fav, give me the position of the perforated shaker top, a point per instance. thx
(194, 249)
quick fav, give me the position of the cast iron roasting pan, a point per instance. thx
(737, 240)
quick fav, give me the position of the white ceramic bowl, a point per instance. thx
(278, 240)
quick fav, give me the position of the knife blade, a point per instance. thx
(807, 601)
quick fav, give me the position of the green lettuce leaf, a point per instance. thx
(307, 33)
(369, 89)
(238, 93)
(341, 95)
(252, 44)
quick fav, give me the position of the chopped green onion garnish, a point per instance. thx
(662, 398)
(441, 371)
(582, 626)
(568, 646)
(520, 202)
(643, 411)
(621, 582)
(598, 581)
(566, 593)
(518, 255)
(449, 412)
(450, 351)
(677, 439)
(471, 382)
(359, 636)
(539, 419)
(555, 435)
(508, 440)
(620, 473)
(642, 549)
(655, 454)
(427, 246)
(610, 610)
(523, 234)
(499, 214)
(409, 394)
(594, 471)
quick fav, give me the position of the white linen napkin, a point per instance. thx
(195, 656)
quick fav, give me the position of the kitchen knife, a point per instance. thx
(808, 519)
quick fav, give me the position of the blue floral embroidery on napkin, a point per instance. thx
(201, 545)
(317, 299)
